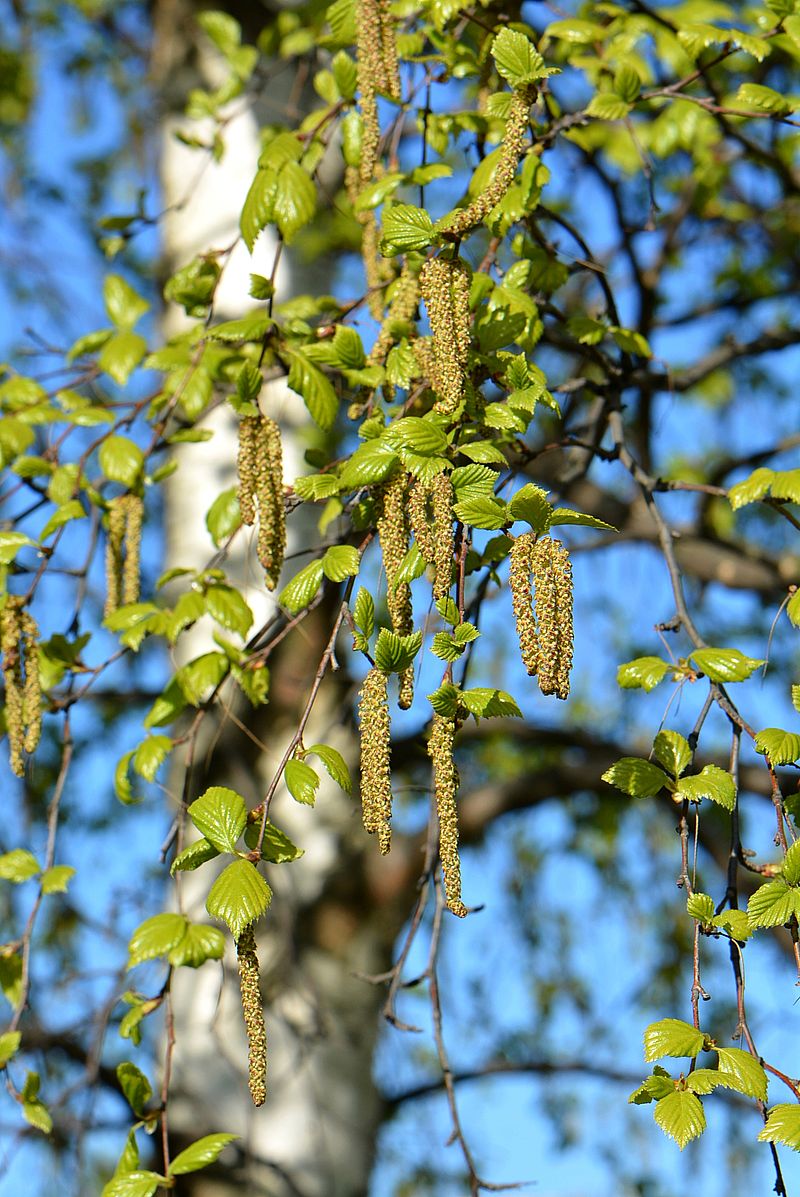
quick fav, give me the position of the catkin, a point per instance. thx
(123, 551)
(433, 530)
(552, 575)
(402, 308)
(445, 786)
(513, 145)
(445, 284)
(376, 782)
(23, 696)
(394, 535)
(253, 1015)
(261, 491)
(519, 581)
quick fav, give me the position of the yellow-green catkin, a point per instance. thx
(402, 308)
(261, 491)
(123, 551)
(552, 575)
(513, 147)
(445, 788)
(430, 513)
(519, 581)
(376, 781)
(445, 284)
(23, 696)
(394, 533)
(253, 1012)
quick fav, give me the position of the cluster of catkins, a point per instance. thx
(261, 491)
(123, 551)
(544, 618)
(18, 642)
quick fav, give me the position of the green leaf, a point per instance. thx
(340, 561)
(564, 515)
(192, 857)
(364, 612)
(259, 206)
(10, 545)
(200, 1154)
(166, 707)
(123, 305)
(62, 515)
(773, 904)
(201, 675)
(121, 354)
(295, 200)
(444, 646)
(411, 567)
(335, 765)
(121, 460)
(421, 436)
(199, 944)
(783, 1126)
(781, 747)
(298, 593)
(672, 1037)
(485, 703)
(37, 1115)
(517, 59)
(122, 782)
(316, 390)
(672, 751)
(11, 978)
(636, 777)
(239, 896)
(276, 847)
(475, 482)
(653, 1088)
(150, 756)
(484, 452)
(530, 504)
(18, 865)
(133, 1184)
(406, 228)
(790, 869)
(393, 653)
(700, 906)
(371, 462)
(680, 1115)
(762, 99)
(229, 609)
(735, 922)
(223, 516)
(220, 815)
(725, 664)
(742, 1072)
(135, 1086)
(482, 513)
(642, 673)
(56, 880)
(155, 937)
(9, 1046)
(301, 781)
(711, 782)
(753, 488)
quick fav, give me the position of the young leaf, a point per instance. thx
(239, 896)
(135, 1086)
(406, 228)
(781, 747)
(672, 1037)
(395, 653)
(725, 664)
(563, 515)
(700, 906)
(298, 593)
(672, 751)
(773, 904)
(301, 781)
(642, 673)
(742, 1072)
(156, 936)
(517, 59)
(200, 943)
(133, 1184)
(18, 865)
(791, 864)
(485, 703)
(220, 815)
(315, 388)
(681, 1116)
(9, 1046)
(276, 846)
(121, 460)
(200, 1154)
(530, 504)
(482, 513)
(56, 880)
(636, 777)
(195, 855)
(783, 1126)
(364, 612)
(340, 561)
(711, 782)
(334, 764)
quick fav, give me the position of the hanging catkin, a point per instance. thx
(261, 491)
(123, 551)
(430, 513)
(544, 623)
(23, 696)
(552, 576)
(445, 788)
(394, 535)
(401, 309)
(253, 1015)
(513, 145)
(445, 284)
(376, 782)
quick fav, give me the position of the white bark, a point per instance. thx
(315, 1135)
